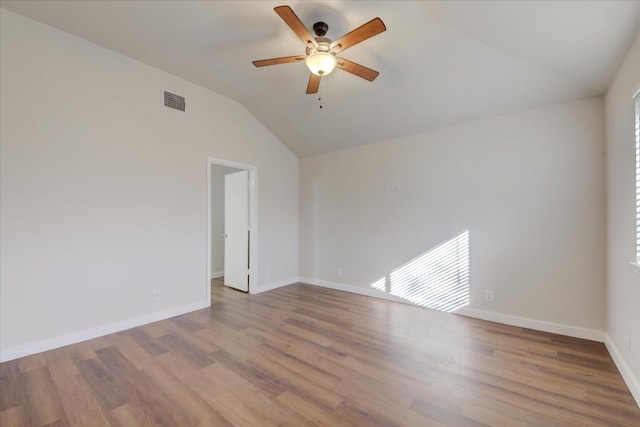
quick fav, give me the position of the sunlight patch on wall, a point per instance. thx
(437, 279)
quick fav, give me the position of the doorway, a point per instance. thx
(219, 252)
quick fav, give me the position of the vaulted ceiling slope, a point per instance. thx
(441, 63)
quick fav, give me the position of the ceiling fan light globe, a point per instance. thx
(320, 63)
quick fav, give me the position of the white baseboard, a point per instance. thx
(217, 274)
(627, 374)
(538, 325)
(275, 285)
(353, 289)
(87, 334)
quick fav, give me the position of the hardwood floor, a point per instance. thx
(303, 355)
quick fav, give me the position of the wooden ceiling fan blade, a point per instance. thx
(291, 19)
(363, 32)
(357, 69)
(314, 84)
(276, 61)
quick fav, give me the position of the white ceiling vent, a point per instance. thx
(174, 101)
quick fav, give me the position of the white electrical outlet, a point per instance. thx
(629, 343)
(339, 272)
(155, 296)
(488, 296)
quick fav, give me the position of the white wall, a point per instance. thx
(623, 283)
(217, 217)
(529, 187)
(104, 192)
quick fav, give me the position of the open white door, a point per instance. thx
(236, 229)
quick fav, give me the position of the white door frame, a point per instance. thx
(253, 220)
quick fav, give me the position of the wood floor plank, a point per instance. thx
(12, 387)
(288, 336)
(110, 392)
(295, 360)
(186, 324)
(269, 384)
(361, 417)
(241, 346)
(311, 410)
(216, 421)
(78, 401)
(196, 410)
(302, 355)
(147, 342)
(81, 351)
(131, 350)
(378, 391)
(32, 362)
(193, 353)
(154, 330)
(12, 417)
(263, 410)
(199, 381)
(150, 403)
(302, 386)
(125, 416)
(59, 423)
(41, 401)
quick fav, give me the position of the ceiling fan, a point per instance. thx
(320, 55)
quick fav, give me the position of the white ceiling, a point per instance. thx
(441, 63)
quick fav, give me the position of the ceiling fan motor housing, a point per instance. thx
(320, 28)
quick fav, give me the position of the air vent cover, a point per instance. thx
(174, 101)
